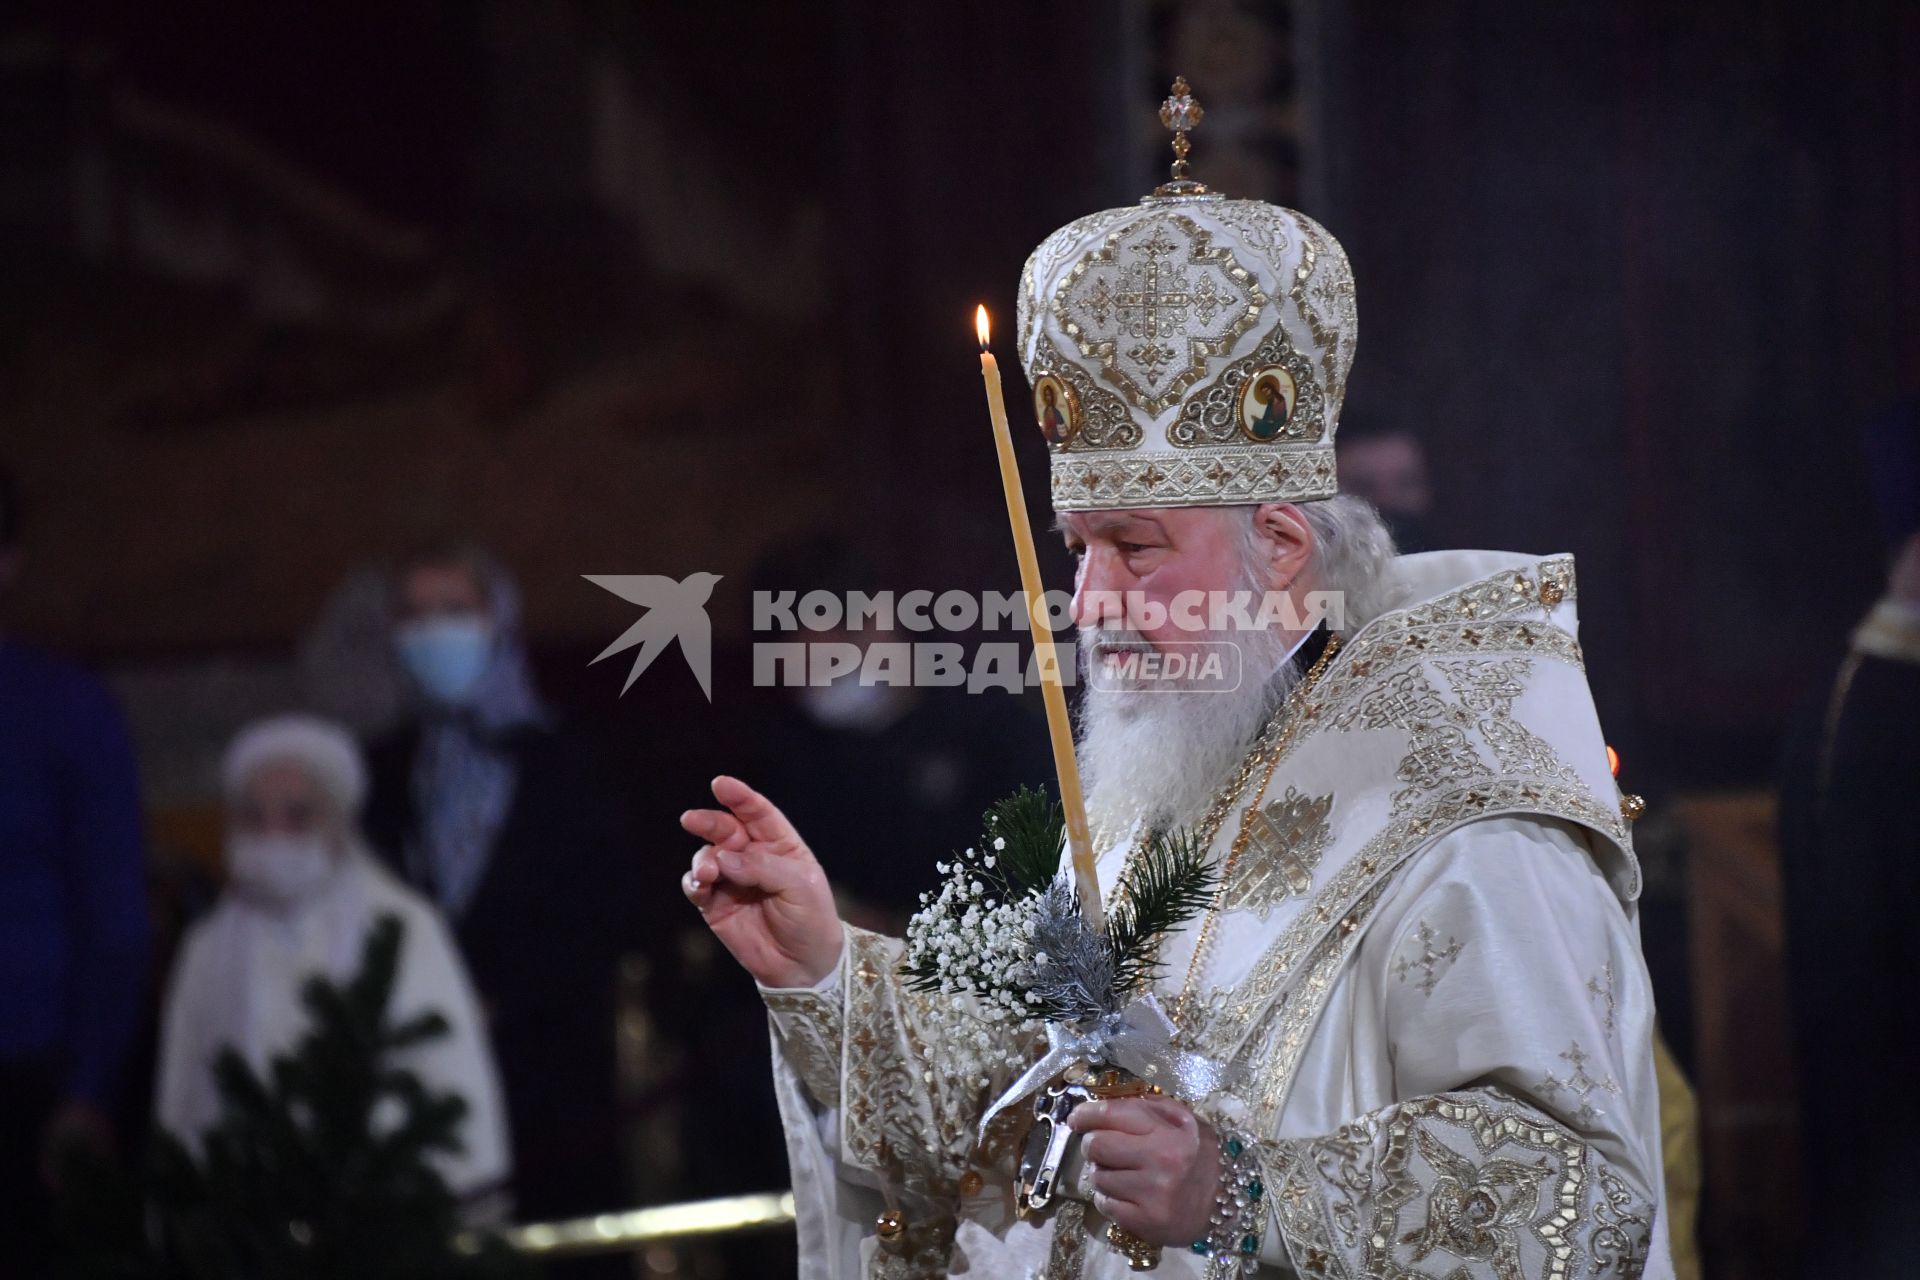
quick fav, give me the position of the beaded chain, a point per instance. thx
(1232, 1242)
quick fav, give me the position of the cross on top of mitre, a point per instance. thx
(1182, 113)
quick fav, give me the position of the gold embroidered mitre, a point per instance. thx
(1190, 350)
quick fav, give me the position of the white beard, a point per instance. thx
(1160, 755)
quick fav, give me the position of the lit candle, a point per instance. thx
(1059, 727)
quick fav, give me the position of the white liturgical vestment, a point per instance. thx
(1425, 965)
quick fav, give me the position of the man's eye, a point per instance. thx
(1129, 548)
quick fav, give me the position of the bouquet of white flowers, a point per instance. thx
(1005, 941)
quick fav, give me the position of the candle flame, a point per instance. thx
(1613, 761)
(980, 325)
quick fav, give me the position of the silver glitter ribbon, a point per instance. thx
(1137, 1039)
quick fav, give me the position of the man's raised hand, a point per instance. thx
(761, 892)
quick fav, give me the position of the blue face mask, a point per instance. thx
(447, 655)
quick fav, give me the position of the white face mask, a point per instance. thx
(279, 870)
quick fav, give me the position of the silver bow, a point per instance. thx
(1137, 1039)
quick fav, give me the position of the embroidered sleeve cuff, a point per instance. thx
(808, 1023)
(826, 986)
(1470, 1176)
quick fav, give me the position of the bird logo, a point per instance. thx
(675, 611)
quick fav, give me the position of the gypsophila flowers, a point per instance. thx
(1004, 945)
(968, 947)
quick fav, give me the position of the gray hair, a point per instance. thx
(1352, 549)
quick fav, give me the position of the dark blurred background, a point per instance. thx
(623, 288)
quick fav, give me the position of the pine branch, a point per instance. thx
(418, 1030)
(1169, 884)
(1031, 823)
(379, 965)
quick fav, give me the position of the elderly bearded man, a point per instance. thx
(1422, 961)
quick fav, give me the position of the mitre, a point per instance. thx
(1190, 350)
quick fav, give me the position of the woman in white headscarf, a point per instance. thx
(302, 894)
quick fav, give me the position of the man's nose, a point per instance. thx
(1096, 593)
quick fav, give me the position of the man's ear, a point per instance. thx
(1288, 539)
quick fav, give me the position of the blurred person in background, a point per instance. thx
(73, 915)
(1388, 467)
(303, 892)
(521, 833)
(1850, 862)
